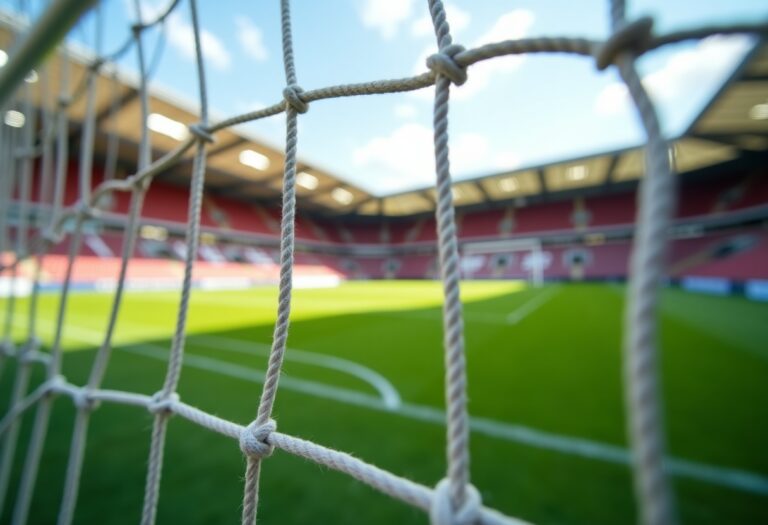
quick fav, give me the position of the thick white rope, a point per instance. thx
(39, 431)
(23, 370)
(99, 367)
(294, 104)
(11, 141)
(457, 417)
(168, 391)
(21, 381)
(252, 438)
(657, 197)
(44, 197)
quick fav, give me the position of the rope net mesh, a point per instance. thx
(453, 500)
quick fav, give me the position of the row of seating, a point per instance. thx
(739, 255)
(166, 202)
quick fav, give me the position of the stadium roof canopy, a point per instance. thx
(240, 165)
(732, 124)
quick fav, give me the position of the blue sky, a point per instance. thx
(511, 113)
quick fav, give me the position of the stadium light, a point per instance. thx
(342, 196)
(306, 180)
(167, 126)
(155, 233)
(759, 111)
(576, 172)
(15, 119)
(254, 159)
(594, 239)
(508, 184)
(31, 77)
(207, 239)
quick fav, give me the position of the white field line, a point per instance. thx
(389, 395)
(527, 308)
(313, 388)
(513, 317)
(386, 390)
(722, 476)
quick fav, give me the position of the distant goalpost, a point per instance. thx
(533, 260)
(453, 500)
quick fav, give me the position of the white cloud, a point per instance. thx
(684, 73)
(407, 154)
(386, 16)
(506, 160)
(512, 25)
(405, 111)
(457, 18)
(181, 37)
(251, 38)
(467, 152)
(180, 34)
(249, 105)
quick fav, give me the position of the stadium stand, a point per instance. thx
(573, 220)
(585, 229)
(719, 200)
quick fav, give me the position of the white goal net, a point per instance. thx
(27, 155)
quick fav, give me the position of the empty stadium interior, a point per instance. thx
(540, 246)
(581, 209)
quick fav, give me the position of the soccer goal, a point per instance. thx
(519, 258)
(34, 152)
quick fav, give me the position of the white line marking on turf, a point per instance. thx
(527, 308)
(726, 477)
(389, 394)
(314, 388)
(732, 478)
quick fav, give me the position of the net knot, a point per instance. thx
(443, 512)
(34, 356)
(52, 237)
(56, 385)
(6, 349)
(138, 183)
(633, 37)
(33, 344)
(30, 357)
(294, 97)
(199, 131)
(254, 439)
(96, 65)
(161, 402)
(443, 63)
(84, 209)
(82, 398)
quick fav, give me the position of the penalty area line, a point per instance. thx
(528, 307)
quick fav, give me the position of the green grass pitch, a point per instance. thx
(545, 390)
